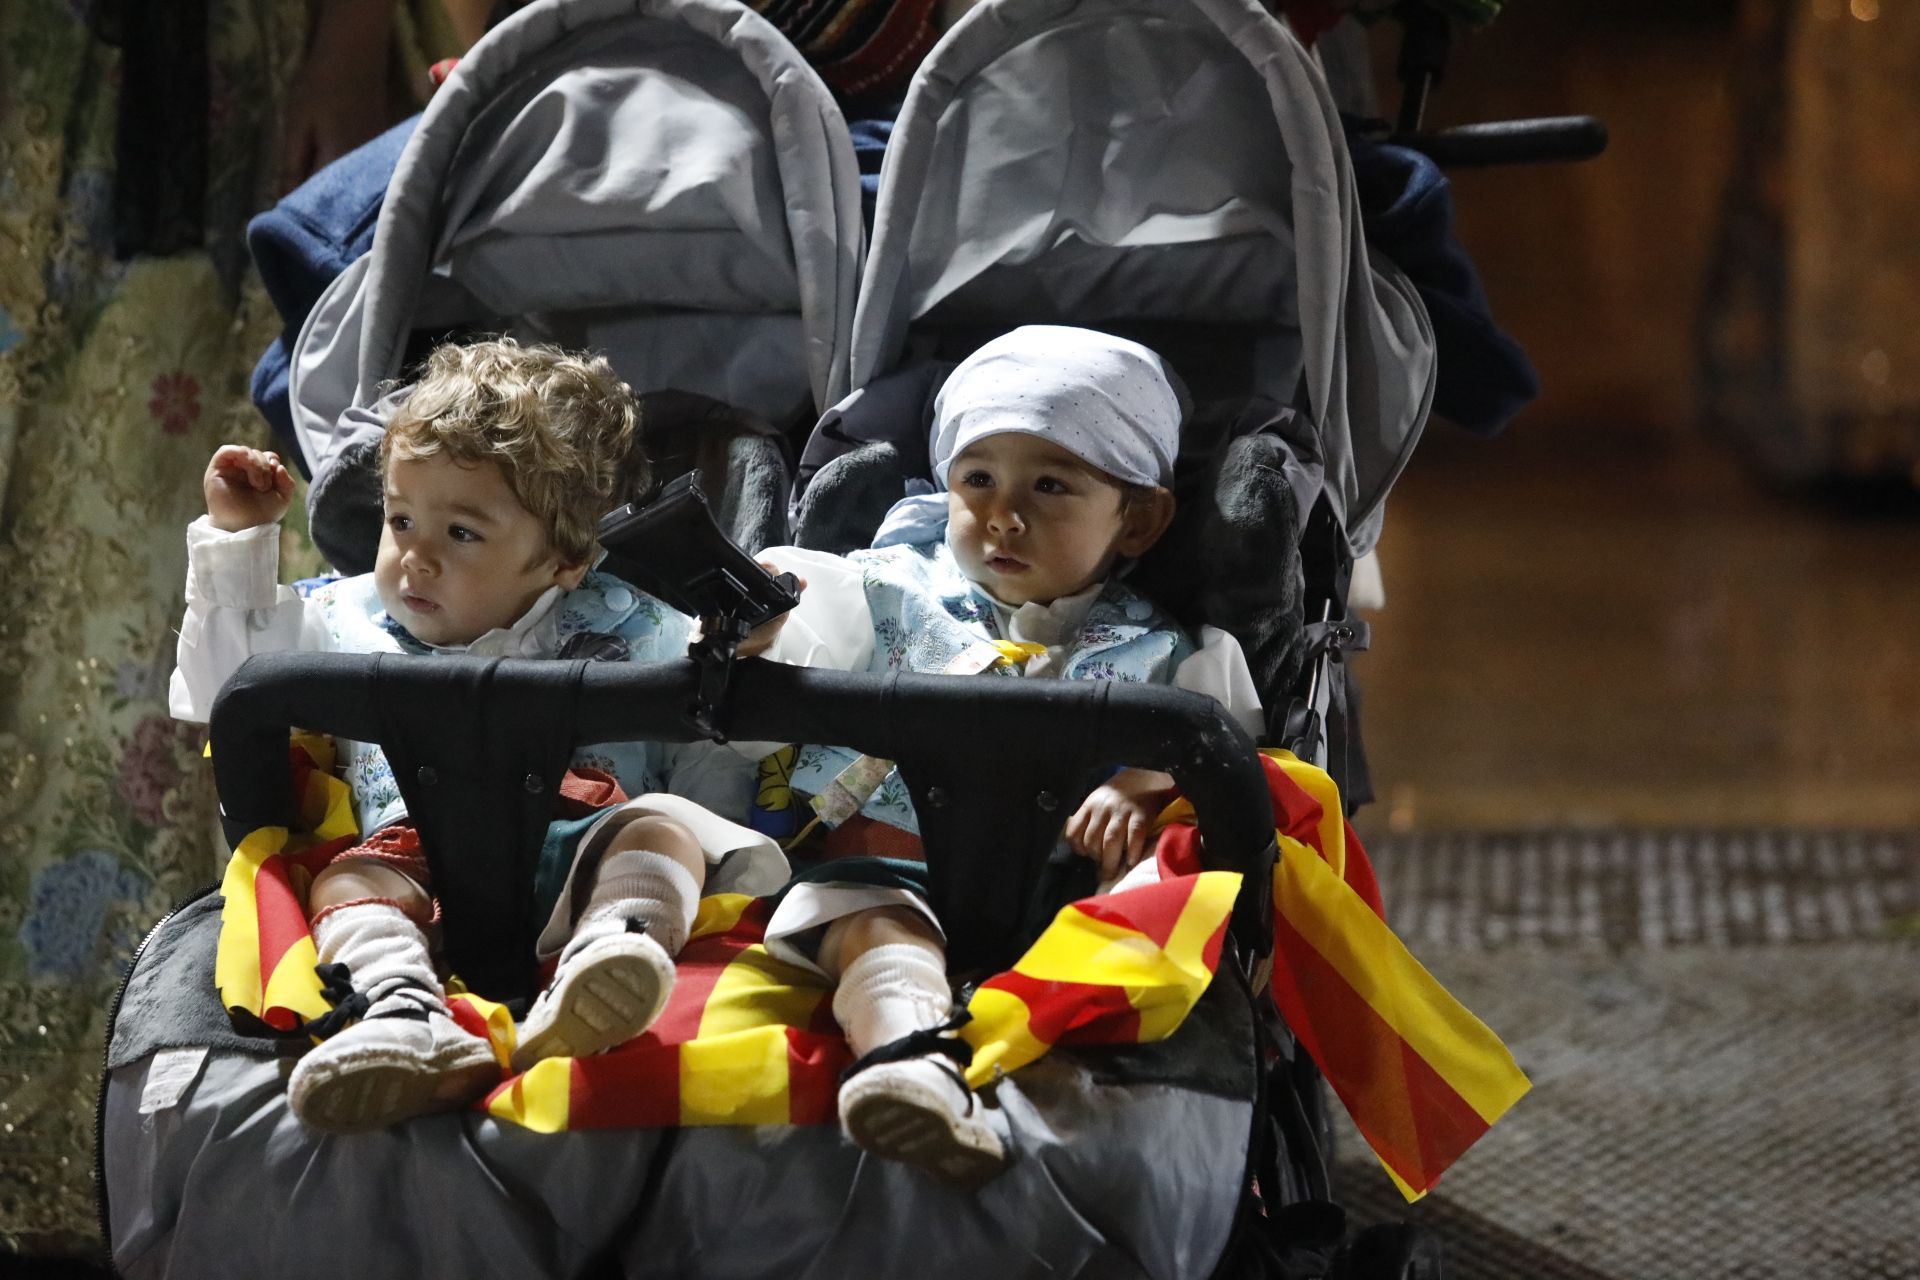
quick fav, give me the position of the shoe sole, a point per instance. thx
(605, 1004)
(378, 1091)
(895, 1128)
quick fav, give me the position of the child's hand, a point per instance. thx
(761, 638)
(1112, 825)
(246, 488)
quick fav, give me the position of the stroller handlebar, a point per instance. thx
(992, 765)
(1549, 138)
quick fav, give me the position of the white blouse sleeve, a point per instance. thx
(236, 608)
(1219, 670)
(831, 627)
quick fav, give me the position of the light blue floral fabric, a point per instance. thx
(926, 613)
(602, 617)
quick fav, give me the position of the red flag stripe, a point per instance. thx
(697, 972)
(282, 920)
(1085, 1012)
(636, 1086)
(468, 1018)
(1414, 1120)
(814, 1064)
(1359, 874)
(1153, 914)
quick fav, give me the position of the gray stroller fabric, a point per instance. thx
(740, 458)
(169, 1000)
(663, 181)
(1104, 162)
(849, 497)
(1130, 1164)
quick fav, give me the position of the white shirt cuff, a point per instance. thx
(233, 570)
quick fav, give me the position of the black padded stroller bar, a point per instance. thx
(994, 768)
(1548, 139)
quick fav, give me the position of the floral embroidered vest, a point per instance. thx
(601, 618)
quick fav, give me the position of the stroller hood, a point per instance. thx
(662, 180)
(1178, 163)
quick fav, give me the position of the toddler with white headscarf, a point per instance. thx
(1053, 449)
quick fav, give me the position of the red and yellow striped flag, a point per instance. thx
(1420, 1075)
(749, 1039)
(264, 963)
(746, 1038)
(1126, 968)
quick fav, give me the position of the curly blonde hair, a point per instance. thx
(561, 428)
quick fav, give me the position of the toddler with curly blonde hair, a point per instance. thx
(495, 471)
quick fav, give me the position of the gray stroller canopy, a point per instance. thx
(1110, 161)
(665, 181)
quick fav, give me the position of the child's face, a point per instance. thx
(1031, 522)
(459, 556)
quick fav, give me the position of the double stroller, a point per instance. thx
(666, 181)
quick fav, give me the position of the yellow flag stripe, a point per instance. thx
(502, 1034)
(1407, 1191)
(332, 800)
(1097, 952)
(757, 990)
(236, 961)
(717, 913)
(1319, 784)
(1017, 652)
(1079, 948)
(1337, 923)
(740, 1078)
(538, 1099)
(1208, 904)
(1001, 1034)
(293, 985)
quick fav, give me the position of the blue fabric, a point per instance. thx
(916, 518)
(1406, 208)
(870, 138)
(272, 396)
(556, 862)
(304, 242)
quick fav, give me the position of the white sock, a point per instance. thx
(890, 992)
(639, 884)
(384, 950)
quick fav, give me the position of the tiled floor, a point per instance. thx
(1722, 1036)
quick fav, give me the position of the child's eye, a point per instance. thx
(1050, 484)
(399, 524)
(976, 480)
(460, 533)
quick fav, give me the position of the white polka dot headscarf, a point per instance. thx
(1108, 401)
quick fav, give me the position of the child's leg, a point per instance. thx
(405, 1055)
(905, 1098)
(890, 967)
(616, 971)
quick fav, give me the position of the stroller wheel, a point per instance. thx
(1388, 1251)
